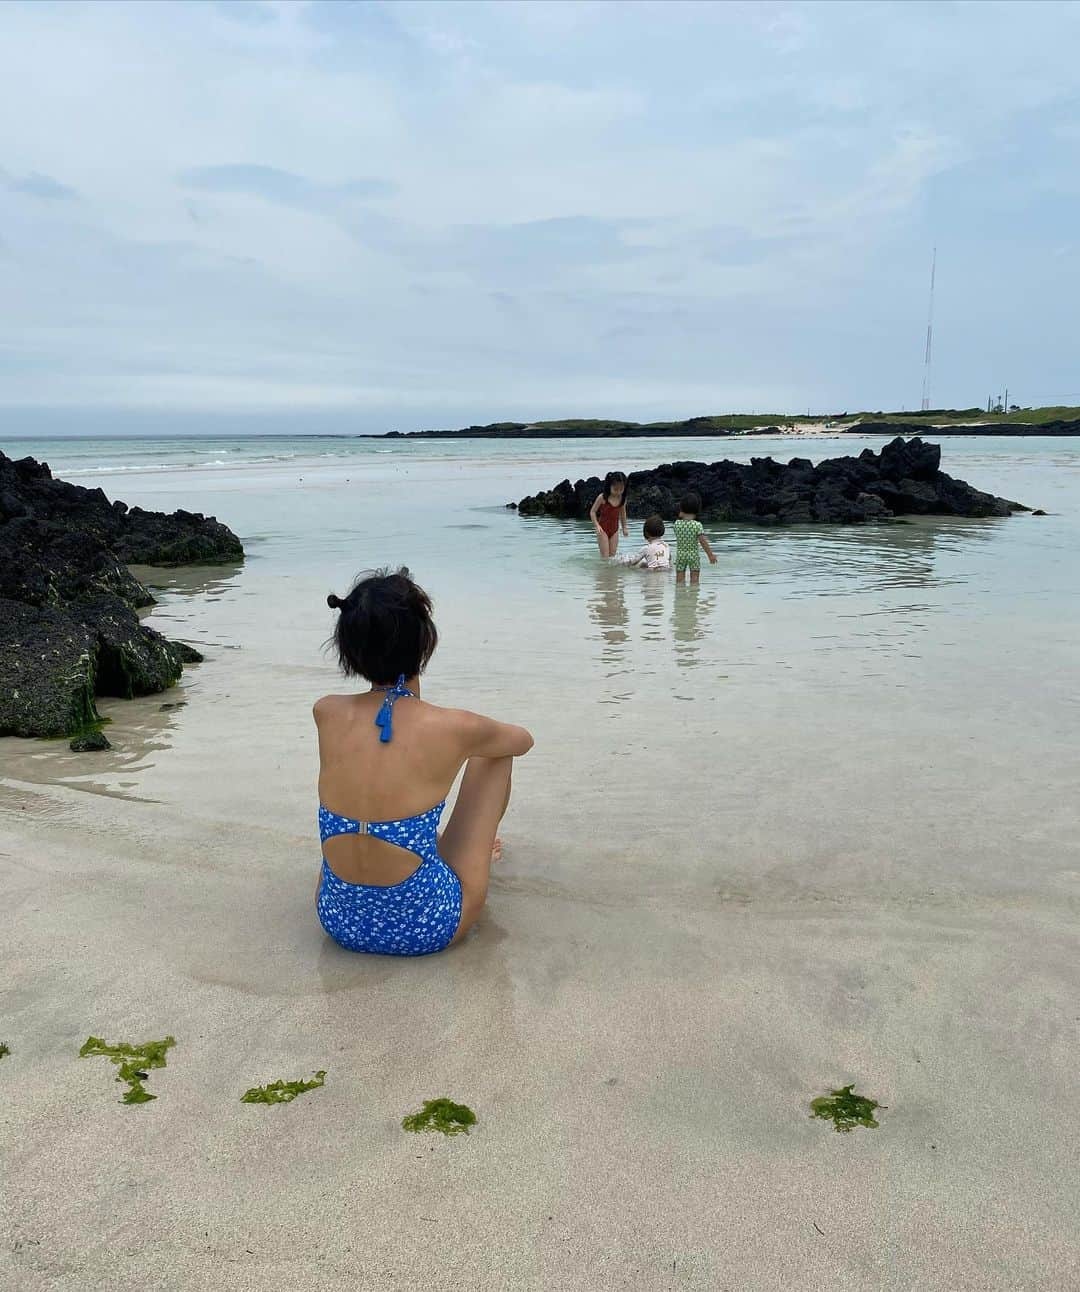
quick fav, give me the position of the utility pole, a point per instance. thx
(929, 335)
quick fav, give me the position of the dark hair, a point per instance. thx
(690, 504)
(385, 629)
(654, 527)
(614, 478)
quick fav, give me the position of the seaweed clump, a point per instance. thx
(441, 1115)
(4, 1051)
(845, 1109)
(281, 1092)
(134, 1062)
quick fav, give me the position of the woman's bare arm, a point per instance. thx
(594, 509)
(486, 738)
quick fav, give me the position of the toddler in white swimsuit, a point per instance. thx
(655, 555)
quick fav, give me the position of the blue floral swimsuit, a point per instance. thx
(414, 918)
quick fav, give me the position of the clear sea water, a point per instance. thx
(833, 708)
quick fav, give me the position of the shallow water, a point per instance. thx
(911, 687)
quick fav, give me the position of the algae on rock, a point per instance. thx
(69, 630)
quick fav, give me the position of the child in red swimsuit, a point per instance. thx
(608, 513)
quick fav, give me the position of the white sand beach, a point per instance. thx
(813, 825)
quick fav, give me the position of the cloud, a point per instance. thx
(536, 248)
(36, 185)
(465, 211)
(275, 185)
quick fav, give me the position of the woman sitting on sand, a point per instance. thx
(387, 760)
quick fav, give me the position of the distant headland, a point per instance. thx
(1058, 420)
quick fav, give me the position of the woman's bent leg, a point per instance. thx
(603, 542)
(468, 842)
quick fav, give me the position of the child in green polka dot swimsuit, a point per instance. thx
(689, 538)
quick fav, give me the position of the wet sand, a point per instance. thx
(730, 884)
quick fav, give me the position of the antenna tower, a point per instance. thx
(929, 336)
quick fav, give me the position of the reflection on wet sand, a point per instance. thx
(139, 730)
(618, 589)
(654, 592)
(607, 609)
(187, 580)
(691, 616)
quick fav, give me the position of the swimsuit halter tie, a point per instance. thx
(384, 719)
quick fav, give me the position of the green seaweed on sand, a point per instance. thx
(4, 1051)
(281, 1092)
(845, 1109)
(441, 1115)
(134, 1062)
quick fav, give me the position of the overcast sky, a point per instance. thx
(337, 216)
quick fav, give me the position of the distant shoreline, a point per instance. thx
(1014, 429)
(1056, 421)
(1038, 421)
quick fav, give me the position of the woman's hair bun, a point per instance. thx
(388, 630)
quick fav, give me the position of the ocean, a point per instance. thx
(822, 684)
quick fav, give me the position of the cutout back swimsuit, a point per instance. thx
(414, 918)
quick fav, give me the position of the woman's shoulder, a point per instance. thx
(448, 717)
(326, 705)
(457, 724)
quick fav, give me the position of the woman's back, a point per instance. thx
(389, 883)
(367, 780)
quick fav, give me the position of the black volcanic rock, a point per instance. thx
(68, 624)
(134, 536)
(90, 742)
(47, 671)
(904, 478)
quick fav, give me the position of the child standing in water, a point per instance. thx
(689, 538)
(608, 513)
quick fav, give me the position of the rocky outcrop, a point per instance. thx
(134, 536)
(68, 624)
(903, 479)
(597, 428)
(90, 742)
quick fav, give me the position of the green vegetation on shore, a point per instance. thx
(441, 1115)
(943, 416)
(282, 1092)
(722, 424)
(601, 427)
(134, 1062)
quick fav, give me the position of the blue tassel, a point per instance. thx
(384, 719)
